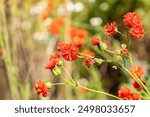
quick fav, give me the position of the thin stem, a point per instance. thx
(137, 79)
(86, 55)
(109, 51)
(68, 74)
(66, 81)
(57, 84)
(100, 92)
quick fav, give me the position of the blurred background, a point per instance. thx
(27, 39)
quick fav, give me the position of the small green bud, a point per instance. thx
(56, 71)
(103, 46)
(99, 61)
(60, 63)
(49, 85)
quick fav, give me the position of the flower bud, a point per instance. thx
(103, 46)
(123, 46)
(118, 52)
(49, 85)
(56, 71)
(60, 63)
(99, 61)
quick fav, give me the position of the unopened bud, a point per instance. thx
(56, 71)
(103, 46)
(123, 46)
(99, 61)
(60, 63)
(49, 85)
(118, 52)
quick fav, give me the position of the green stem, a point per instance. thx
(67, 81)
(100, 92)
(57, 84)
(86, 55)
(69, 75)
(109, 51)
(134, 75)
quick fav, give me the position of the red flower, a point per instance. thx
(137, 32)
(138, 71)
(110, 29)
(124, 51)
(56, 55)
(131, 19)
(95, 41)
(54, 29)
(53, 61)
(78, 35)
(137, 86)
(82, 33)
(60, 46)
(41, 88)
(79, 41)
(135, 96)
(125, 93)
(1, 51)
(88, 62)
(69, 52)
(87, 52)
(55, 25)
(47, 11)
(77, 32)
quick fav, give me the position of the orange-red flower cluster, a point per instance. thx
(126, 94)
(54, 27)
(79, 36)
(137, 70)
(41, 88)
(47, 11)
(134, 21)
(53, 61)
(68, 51)
(131, 19)
(110, 29)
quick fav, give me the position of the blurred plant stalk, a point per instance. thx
(8, 41)
(67, 39)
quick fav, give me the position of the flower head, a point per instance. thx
(110, 29)
(124, 51)
(131, 19)
(135, 96)
(69, 51)
(137, 70)
(137, 86)
(95, 41)
(124, 93)
(54, 28)
(88, 62)
(79, 41)
(53, 61)
(137, 32)
(77, 32)
(41, 88)
(78, 35)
